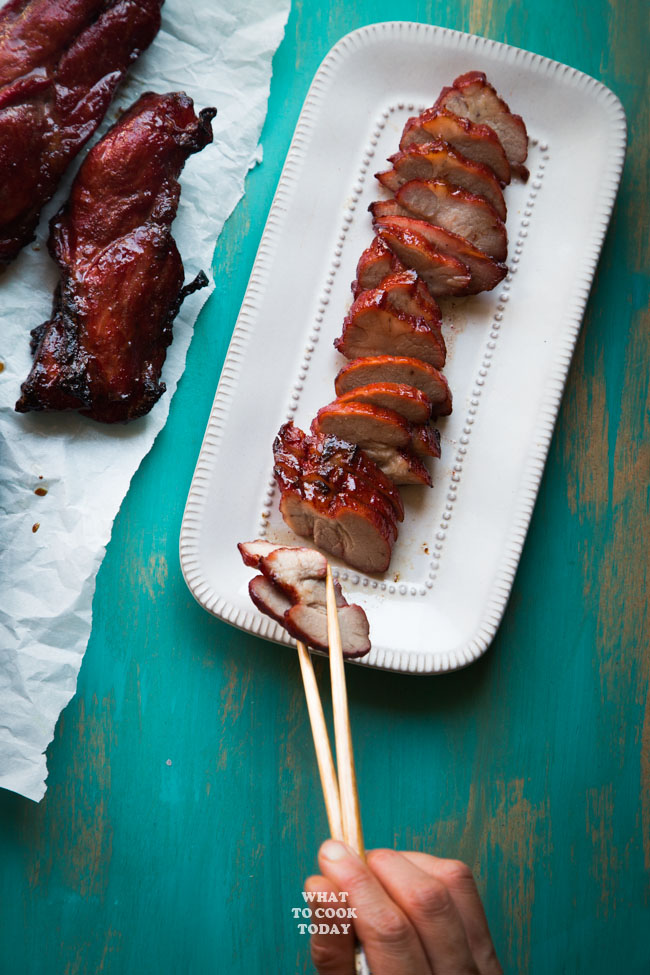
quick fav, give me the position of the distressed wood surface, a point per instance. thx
(184, 808)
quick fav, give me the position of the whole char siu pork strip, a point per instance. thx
(60, 64)
(291, 590)
(103, 349)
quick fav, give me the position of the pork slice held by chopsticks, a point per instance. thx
(291, 590)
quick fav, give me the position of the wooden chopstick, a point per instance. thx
(350, 814)
(341, 796)
(321, 744)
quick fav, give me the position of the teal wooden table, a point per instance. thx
(184, 809)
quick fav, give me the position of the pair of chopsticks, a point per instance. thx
(341, 796)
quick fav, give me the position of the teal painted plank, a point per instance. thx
(184, 809)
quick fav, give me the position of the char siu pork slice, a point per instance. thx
(477, 142)
(401, 465)
(371, 327)
(291, 590)
(376, 262)
(442, 275)
(472, 97)
(309, 624)
(485, 272)
(397, 369)
(347, 516)
(458, 212)
(252, 553)
(411, 403)
(388, 208)
(363, 424)
(404, 293)
(425, 440)
(439, 161)
(371, 426)
(269, 599)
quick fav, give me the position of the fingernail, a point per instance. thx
(333, 850)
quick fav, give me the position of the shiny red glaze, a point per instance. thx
(60, 64)
(323, 467)
(121, 284)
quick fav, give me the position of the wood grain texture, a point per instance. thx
(184, 808)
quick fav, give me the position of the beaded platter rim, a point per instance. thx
(415, 662)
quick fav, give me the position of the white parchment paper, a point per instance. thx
(52, 544)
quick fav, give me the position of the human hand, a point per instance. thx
(414, 914)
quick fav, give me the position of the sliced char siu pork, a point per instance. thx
(400, 370)
(443, 275)
(401, 464)
(485, 273)
(407, 295)
(376, 263)
(471, 96)
(253, 552)
(411, 403)
(477, 142)
(395, 446)
(441, 235)
(458, 212)
(437, 160)
(370, 426)
(291, 590)
(372, 327)
(352, 518)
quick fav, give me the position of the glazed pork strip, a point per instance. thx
(60, 64)
(103, 349)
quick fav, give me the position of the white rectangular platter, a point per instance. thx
(509, 351)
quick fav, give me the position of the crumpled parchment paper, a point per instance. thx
(220, 53)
